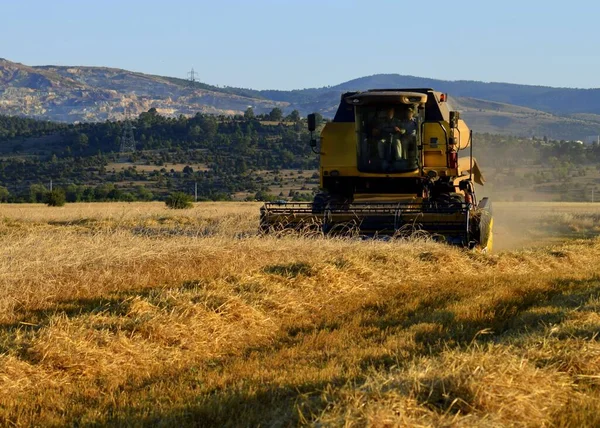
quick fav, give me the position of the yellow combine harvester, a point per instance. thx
(389, 166)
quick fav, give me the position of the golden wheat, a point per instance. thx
(132, 314)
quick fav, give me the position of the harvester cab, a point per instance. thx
(390, 166)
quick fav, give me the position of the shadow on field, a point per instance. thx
(289, 270)
(249, 402)
(527, 311)
(436, 325)
(74, 222)
(281, 405)
(115, 304)
(353, 337)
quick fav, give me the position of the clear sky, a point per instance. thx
(268, 44)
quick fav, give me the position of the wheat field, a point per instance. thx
(134, 315)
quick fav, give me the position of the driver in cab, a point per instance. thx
(388, 125)
(389, 131)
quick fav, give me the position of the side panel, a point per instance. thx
(435, 140)
(338, 148)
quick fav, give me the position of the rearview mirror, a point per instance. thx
(312, 122)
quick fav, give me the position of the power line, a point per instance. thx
(128, 139)
(192, 77)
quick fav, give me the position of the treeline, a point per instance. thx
(232, 150)
(18, 127)
(38, 193)
(226, 178)
(222, 155)
(109, 192)
(283, 145)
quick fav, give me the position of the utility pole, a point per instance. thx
(51, 186)
(128, 139)
(192, 77)
(196, 192)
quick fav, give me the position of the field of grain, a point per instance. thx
(132, 314)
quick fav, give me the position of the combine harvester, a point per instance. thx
(390, 166)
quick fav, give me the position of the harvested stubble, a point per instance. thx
(127, 315)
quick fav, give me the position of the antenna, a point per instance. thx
(127, 140)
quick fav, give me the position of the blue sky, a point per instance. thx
(268, 44)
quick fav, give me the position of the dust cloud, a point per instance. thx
(515, 226)
(521, 225)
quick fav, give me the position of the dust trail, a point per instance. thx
(531, 224)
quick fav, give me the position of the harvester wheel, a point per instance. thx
(481, 226)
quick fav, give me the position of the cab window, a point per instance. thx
(387, 137)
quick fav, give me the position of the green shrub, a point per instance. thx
(263, 195)
(179, 201)
(55, 198)
(4, 194)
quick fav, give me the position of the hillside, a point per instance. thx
(498, 108)
(562, 101)
(72, 94)
(509, 119)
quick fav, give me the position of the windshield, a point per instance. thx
(387, 138)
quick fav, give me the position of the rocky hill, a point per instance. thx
(73, 94)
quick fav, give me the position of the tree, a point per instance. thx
(143, 194)
(249, 113)
(294, 116)
(195, 131)
(276, 114)
(318, 118)
(178, 201)
(4, 194)
(55, 198)
(210, 126)
(263, 195)
(36, 193)
(73, 193)
(82, 141)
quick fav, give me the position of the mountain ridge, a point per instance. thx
(91, 93)
(82, 93)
